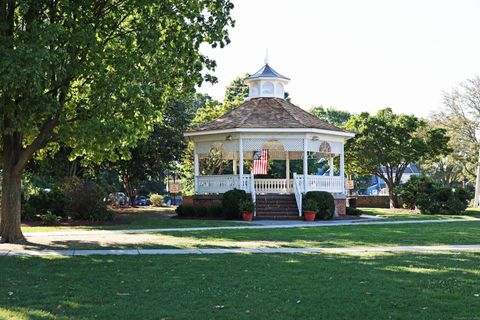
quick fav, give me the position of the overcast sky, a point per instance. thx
(356, 55)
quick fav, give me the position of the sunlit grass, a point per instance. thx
(403, 214)
(243, 286)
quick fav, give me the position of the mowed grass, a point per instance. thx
(402, 214)
(242, 286)
(446, 233)
(138, 218)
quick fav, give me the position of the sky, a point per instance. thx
(355, 55)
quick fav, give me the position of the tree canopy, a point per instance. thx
(331, 115)
(385, 143)
(94, 76)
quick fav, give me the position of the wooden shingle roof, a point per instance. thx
(266, 113)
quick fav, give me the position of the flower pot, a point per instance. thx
(309, 215)
(247, 216)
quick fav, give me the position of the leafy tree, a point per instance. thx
(460, 116)
(331, 115)
(93, 76)
(386, 143)
(165, 145)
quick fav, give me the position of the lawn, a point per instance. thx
(402, 214)
(447, 233)
(242, 286)
(137, 218)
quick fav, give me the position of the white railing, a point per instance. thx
(272, 186)
(253, 193)
(217, 183)
(223, 183)
(298, 193)
(325, 183)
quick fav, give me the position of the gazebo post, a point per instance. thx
(234, 166)
(240, 150)
(305, 164)
(195, 168)
(332, 169)
(287, 170)
(342, 168)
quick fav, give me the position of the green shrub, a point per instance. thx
(185, 211)
(200, 211)
(157, 200)
(215, 212)
(432, 198)
(325, 204)
(49, 218)
(231, 201)
(42, 202)
(85, 200)
(246, 205)
(310, 205)
(354, 211)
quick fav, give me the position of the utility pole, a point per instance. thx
(477, 184)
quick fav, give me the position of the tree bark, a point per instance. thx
(11, 194)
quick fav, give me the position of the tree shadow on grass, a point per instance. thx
(283, 286)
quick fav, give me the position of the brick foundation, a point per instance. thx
(209, 200)
(340, 207)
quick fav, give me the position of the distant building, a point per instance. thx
(378, 185)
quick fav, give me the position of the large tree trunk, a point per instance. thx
(394, 200)
(11, 197)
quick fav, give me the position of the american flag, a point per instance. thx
(260, 162)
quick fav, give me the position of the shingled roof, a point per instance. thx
(267, 113)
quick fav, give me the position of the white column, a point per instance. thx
(287, 170)
(331, 164)
(342, 168)
(240, 150)
(234, 166)
(196, 169)
(305, 164)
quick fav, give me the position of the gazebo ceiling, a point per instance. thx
(267, 113)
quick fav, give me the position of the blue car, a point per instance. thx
(142, 201)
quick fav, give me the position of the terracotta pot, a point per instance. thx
(309, 215)
(247, 216)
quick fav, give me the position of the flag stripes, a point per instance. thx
(260, 162)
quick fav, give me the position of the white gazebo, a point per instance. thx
(266, 121)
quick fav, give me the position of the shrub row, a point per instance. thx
(77, 199)
(190, 211)
(431, 198)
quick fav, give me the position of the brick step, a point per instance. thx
(277, 217)
(275, 202)
(293, 209)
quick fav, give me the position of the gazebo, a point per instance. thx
(266, 121)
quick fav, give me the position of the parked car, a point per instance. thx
(117, 199)
(142, 201)
(168, 200)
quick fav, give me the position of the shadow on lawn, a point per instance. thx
(400, 285)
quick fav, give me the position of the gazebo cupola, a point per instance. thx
(266, 83)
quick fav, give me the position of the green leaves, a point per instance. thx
(391, 141)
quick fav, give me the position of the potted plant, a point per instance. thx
(310, 208)
(246, 208)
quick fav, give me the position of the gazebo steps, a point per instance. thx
(276, 207)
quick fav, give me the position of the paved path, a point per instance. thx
(266, 224)
(240, 250)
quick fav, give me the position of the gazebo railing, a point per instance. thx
(223, 183)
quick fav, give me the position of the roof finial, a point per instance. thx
(266, 56)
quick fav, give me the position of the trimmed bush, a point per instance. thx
(157, 200)
(432, 198)
(215, 212)
(85, 200)
(325, 204)
(231, 201)
(41, 203)
(354, 211)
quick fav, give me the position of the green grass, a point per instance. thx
(148, 220)
(448, 233)
(242, 286)
(400, 214)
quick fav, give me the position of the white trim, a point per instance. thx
(271, 130)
